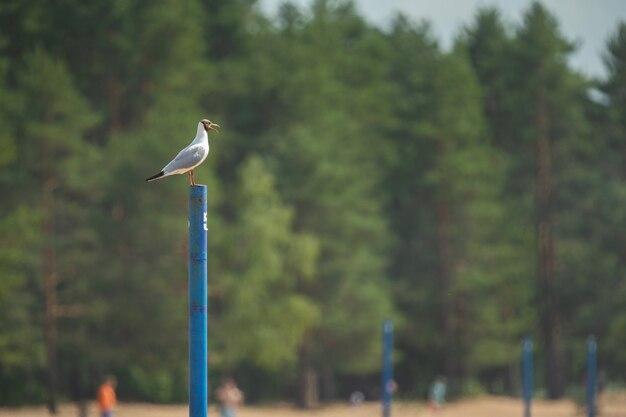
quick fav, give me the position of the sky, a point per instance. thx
(587, 22)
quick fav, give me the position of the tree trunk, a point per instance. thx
(114, 99)
(445, 277)
(512, 380)
(329, 384)
(50, 288)
(78, 389)
(49, 272)
(546, 262)
(308, 390)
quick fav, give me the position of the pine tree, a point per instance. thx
(506, 297)
(603, 236)
(324, 153)
(53, 159)
(260, 315)
(541, 52)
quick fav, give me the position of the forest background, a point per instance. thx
(472, 195)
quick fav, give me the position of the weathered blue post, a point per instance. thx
(197, 301)
(527, 370)
(592, 349)
(387, 381)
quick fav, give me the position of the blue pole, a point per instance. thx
(592, 349)
(527, 348)
(197, 301)
(387, 381)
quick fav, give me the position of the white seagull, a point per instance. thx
(192, 156)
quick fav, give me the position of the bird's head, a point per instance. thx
(209, 125)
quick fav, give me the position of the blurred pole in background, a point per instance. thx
(387, 382)
(591, 375)
(527, 370)
(198, 301)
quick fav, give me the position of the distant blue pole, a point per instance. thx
(387, 381)
(197, 301)
(527, 369)
(592, 349)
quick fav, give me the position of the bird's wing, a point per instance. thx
(187, 159)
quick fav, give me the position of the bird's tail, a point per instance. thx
(156, 176)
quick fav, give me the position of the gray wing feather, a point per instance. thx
(187, 159)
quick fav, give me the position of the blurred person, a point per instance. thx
(437, 395)
(229, 397)
(107, 399)
(356, 398)
(392, 386)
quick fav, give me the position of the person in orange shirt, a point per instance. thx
(106, 396)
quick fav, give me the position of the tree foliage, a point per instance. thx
(361, 174)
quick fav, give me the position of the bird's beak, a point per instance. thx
(213, 126)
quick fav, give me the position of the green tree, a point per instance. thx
(490, 47)
(550, 127)
(445, 184)
(534, 107)
(325, 154)
(507, 294)
(21, 345)
(602, 231)
(50, 171)
(414, 60)
(263, 317)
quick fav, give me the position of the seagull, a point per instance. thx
(192, 156)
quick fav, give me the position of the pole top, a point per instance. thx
(591, 344)
(528, 343)
(387, 325)
(198, 191)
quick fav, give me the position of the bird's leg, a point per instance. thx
(193, 183)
